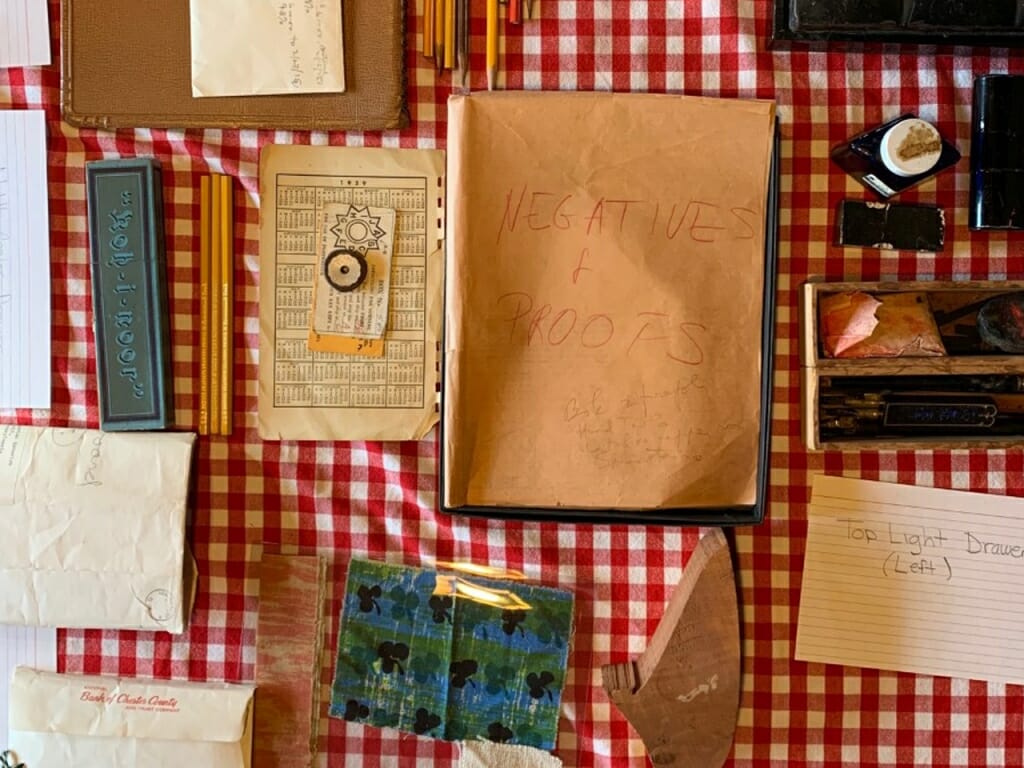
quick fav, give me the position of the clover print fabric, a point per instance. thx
(426, 661)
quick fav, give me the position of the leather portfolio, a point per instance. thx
(127, 64)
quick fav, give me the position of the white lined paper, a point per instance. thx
(24, 33)
(24, 261)
(913, 579)
(25, 647)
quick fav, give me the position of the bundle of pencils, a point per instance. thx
(216, 305)
(446, 33)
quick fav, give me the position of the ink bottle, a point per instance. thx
(895, 156)
(997, 158)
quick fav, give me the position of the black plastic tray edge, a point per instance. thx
(783, 37)
(716, 516)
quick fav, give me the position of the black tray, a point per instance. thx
(686, 516)
(932, 22)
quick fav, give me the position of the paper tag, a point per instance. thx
(362, 311)
(14, 443)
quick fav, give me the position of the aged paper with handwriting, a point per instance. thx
(913, 579)
(246, 48)
(604, 300)
(318, 395)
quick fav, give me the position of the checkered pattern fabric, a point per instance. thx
(380, 499)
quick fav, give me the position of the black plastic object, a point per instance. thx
(953, 22)
(861, 157)
(997, 153)
(890, 226)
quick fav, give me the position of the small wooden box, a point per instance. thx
(816, 369)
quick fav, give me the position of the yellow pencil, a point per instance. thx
(492, 44)
(449, 34)
(204, 305)
(428, 28)
(215, 305)
(439, 33)
(227, 310)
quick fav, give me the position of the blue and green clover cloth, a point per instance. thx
(437, 663)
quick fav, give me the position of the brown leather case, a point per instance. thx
(127, 64)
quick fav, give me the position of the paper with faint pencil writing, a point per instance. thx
(24, 33)
(246, 48)
(24, 261)
(913, 580)
(93, 526)
(604, 300)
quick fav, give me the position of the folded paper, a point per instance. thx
(93, 525)
(241, 48)
(452, 657)
(89, 722)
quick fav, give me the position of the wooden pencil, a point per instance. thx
(492, 44)
(439, 33)
(227, 310)
(428, 28)
(462, 37)
(204, 305)
(449, 34)
(215, 304)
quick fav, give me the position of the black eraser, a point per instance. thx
(890, 226)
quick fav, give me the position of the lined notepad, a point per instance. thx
(24, 261)
(24, 33)
(913, 579)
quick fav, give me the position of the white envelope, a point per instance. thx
(93, 528)
(106, 722)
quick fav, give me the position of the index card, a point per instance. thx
(24, 261)
(24, 33)
(913, 580)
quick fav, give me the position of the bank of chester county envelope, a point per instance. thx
(106, 722)
(93, 528)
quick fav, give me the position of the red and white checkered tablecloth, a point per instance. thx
(380, 499)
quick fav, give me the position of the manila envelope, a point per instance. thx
(107, 722)
(93, 526)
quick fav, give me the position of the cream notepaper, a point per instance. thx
(913, 579)
(93, 528)
(245, 48)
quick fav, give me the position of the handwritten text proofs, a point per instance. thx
(24, 262)
(914, 580)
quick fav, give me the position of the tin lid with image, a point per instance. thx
(911, 147)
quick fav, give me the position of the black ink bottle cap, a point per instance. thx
(911, 148)
(895, 156)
